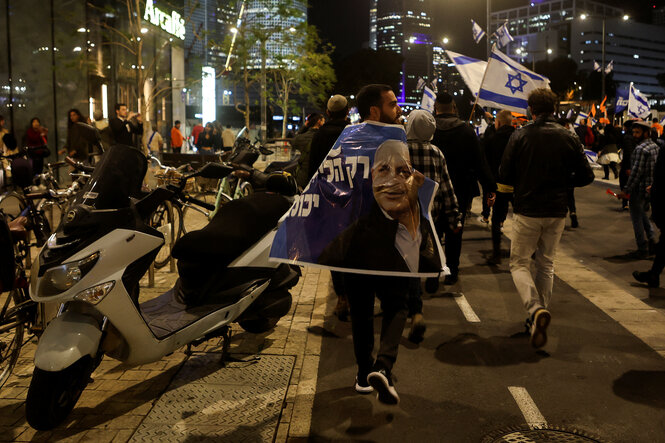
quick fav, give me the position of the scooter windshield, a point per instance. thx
(117, 177)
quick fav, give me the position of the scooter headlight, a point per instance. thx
(61, 278)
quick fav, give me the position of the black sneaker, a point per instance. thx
(540, 322)
(451, 279)
(653, 281)
(573, 221)
(383, 384)
(362, 386)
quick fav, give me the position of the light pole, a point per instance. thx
(602, 57)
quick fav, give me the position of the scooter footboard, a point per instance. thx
(66, 339)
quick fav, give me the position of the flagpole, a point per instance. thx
(489, 60)
(489, 20)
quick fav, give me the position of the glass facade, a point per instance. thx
(404, 26)
(62, 54)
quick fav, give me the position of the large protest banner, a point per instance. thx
(364, 211)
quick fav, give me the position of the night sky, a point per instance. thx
(345, 23)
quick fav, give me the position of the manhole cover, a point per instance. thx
(527, 434)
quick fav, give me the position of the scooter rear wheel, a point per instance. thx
(53, 395)
(259, 325)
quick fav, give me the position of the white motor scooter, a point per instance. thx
(103, 247)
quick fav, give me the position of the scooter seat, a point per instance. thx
(288, 166)
(236, 226)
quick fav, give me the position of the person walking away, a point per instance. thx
(641, 177)
(207, 140)
(302, 143)
(76, 145)
(572, 207)
(494, 146)
(337, 110)
(228, 138)
(541, 162)
(627, 145)
(177, 138)
(657, 197)
(466, 164)
(428, 159)
(155, 141)
(125, 125)
(377, 103)
(608, 156)
(37, 143)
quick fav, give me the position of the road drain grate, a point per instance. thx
(550, 434)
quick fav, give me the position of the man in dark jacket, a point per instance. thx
(495, 144)
(628, 144)
(657, 195)
(323, 141)
(302, 142)
(466, 164)
(541, 162)
(122, 126)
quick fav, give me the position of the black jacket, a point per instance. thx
(302, 143)
(369, 243)
(542, 161)
(466, 163)
(657, 195)
(123, 131)
(494, 146)
(322, 143)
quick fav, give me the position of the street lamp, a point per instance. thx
(446, 40)
(584, 16)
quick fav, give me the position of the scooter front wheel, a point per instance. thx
(53, 395)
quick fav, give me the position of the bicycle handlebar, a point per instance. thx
(78, 165)
(201, 203)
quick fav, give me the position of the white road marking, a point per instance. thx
(466, 308)
(529, 409)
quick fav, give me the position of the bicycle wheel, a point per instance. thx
(11, 333)
(177, 221)
(162, 220)
(12, 204)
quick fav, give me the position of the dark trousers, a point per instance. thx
(571, 201)
(623, 178)
(393, 293)
(453, 242)
(613, 167)
(486, 207)
(499, 214)
(415, 301)
(659, 259)
(338, 282)
(176, 150)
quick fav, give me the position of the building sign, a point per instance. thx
(172, 23)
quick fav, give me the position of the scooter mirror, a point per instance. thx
(214, 170)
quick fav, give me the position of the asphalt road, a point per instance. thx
(470, 379)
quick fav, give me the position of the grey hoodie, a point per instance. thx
(420, 126)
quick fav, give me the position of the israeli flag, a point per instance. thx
(638, 105)
(621, 101)
(662, 121)
(596, 66)
(507, 84)
(503, 36)
(471, 70)
(609, 68)
(581, 117)
(428, 99)
(421, 83)
(478, 32)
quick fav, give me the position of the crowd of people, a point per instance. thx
(534, 167)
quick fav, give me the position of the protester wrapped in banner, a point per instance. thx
(366, 210)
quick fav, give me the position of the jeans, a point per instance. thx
(641, 223)
(393, 293)
(499, 214)
(540, 236)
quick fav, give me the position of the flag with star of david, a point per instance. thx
(507, 84)
(638, 105)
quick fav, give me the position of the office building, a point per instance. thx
(404, 26)
(573, 28)
(445, 74)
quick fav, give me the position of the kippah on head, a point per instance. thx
(444, 98)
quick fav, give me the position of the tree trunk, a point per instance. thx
(285, 108)
(264, 92)
(247, 108)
